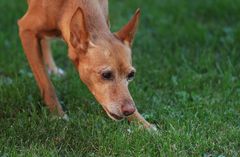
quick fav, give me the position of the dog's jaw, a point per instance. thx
(113, 116)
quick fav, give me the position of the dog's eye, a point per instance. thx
(131, 75)
(107, 75)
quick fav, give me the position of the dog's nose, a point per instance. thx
(128, 109)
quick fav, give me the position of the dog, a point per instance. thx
(102, 59)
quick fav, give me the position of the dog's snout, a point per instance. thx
(128, 108)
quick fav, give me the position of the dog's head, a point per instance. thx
(104, 63)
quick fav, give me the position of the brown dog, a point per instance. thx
(103, 59)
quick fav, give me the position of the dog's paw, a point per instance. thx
(56, 71)
(152, 128)
(65, 117)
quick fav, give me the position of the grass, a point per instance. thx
(187, 57)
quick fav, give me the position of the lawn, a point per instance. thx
(187, 56)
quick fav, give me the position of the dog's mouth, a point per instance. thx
(112, 115)
(116, 116)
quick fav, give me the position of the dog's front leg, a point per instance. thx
(31, 46)
(139, 118)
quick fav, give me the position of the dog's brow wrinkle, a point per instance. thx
(106, 68)
(103, 68)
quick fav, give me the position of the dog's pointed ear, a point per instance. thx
(127, 33)
(79, 36)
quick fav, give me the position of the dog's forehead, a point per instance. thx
(112, 54)
(119, 56)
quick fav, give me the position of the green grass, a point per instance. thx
(187, 58)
